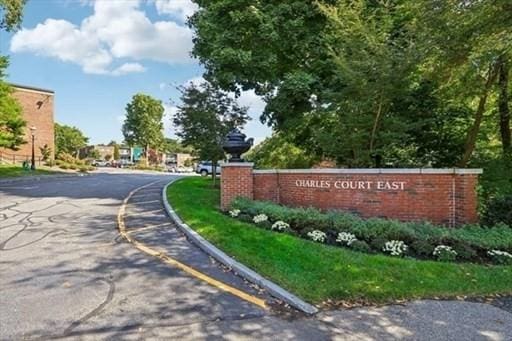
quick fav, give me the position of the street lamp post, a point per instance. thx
(33, 133)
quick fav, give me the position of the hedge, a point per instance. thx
(473, 243)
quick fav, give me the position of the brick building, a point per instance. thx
(37, 111)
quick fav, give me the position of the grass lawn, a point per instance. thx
(9, 171)
(317, 272)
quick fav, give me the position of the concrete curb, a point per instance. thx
(239, 268)
(40, 177)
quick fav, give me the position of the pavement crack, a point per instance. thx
(96, 311)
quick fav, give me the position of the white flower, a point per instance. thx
(317, 236)
(498, 253)
(443, 249)
(260, 218)
(280, 225)
(395, 247)
(346, 238)
(234, 213)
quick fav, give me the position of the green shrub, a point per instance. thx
(498, 210)
(500, 257)
(422, 248)
(66, 157)
(471, 242)
(360, 246)
(378, 243)
(464, 250)
(445, 253)
(63, 165)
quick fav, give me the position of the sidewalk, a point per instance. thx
(147, 222)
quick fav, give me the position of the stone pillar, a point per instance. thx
(236, 180)
(466, 199)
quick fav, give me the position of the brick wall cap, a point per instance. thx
(372, 171)
(236, 164)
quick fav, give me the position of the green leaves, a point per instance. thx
(205, 118)
(143, 125)
(69, 139)
(12, 14)
(12, 125)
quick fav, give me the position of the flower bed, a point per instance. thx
(421, 240)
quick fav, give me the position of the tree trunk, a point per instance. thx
(376, 125)
(472, 135)
(503, 108)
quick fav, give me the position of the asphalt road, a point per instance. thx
(65, 273)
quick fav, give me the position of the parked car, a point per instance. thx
(100, 163)
(205, 168)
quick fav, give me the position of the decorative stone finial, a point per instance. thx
(235, 145)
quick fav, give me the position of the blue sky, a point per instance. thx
(96, 55)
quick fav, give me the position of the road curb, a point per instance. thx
(250, 275)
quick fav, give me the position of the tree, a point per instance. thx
(12, 125)
(69, 139)
(337, 75)
(276, 152)
(117, 155)
(46, 152)
(143, 124)
(93, 154)
(329, 70)
(12, 14)
(469, 46)
(205, 117)
(172, 146)
(503, 104)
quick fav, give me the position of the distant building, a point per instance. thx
(179, 159)
(125, 153)
(103, 151)
(37, 110)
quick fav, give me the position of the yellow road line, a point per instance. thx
(173, 262)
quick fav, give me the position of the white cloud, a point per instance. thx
(116, 29)
(128, 68)
(176, 8)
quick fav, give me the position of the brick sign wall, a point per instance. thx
(442, 196)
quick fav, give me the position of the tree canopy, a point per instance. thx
(69, 139)
(12, 125)
(205, 117)
(277, 152)
(143, 125)
(411, 83)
